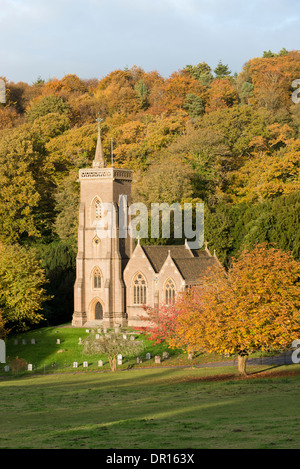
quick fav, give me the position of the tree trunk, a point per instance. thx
(112, 363)
(242, 359)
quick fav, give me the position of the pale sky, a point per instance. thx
(51, 38)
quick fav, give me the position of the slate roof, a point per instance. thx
(192, 269)
(191, 264)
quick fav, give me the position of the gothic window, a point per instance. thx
(97, 209)
(96, 278)
(169, 291)
(139, 290)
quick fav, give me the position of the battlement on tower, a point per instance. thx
(106, 173)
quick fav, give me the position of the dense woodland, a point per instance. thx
(231, 141)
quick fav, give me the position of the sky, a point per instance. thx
(91, 38)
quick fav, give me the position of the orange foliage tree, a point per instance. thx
(222, 94)
(272, 78)
(252, 307)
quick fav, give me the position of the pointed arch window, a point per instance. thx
(96, 278)
(169, 293)
(139, 290)
(97, 209)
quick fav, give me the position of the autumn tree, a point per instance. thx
(168, 180)
(19, 95)
(74, 148)
(3, 329)
(273, 169)
(117, 91)
(252, 307)
(67, 207)
(22, 281)
(201, 71)
(19, 195)
(222, 94)
(159, 322)
(167, 323)
(176, 89)
(8, 118)
(272, 76)
(46, 105)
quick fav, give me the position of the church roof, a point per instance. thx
(158, 254)
(191, 264)
(192, 269)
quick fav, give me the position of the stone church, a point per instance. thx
(116, 276)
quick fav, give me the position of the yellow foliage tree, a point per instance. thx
(252, 307)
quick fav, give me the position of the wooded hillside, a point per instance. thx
(231, 141)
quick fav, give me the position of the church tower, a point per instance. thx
(99, 291)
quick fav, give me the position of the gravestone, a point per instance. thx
(132, 338)
(79, 341)
(6, 368)
(100, 363)
(58, 341)
(139, 360)
(190, 356)
(29, 367)
(16, 342)
(97, 336)
(124, 336)
(2, 91)
(157, 359)
(120, 361)
(87, 331)
(165, 355)
(24, 341)
(85, 364)
(32, 341)
(148, 356)
(75, 364)
(2, 351)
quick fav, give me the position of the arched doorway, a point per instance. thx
(98, 311)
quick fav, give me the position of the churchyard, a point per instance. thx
(174, 403)
(60, 349)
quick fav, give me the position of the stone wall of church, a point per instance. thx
(139, 263)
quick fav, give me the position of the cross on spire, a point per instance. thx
(99, 120)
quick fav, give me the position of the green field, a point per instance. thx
(161, 408)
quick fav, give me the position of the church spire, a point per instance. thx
(99, 161)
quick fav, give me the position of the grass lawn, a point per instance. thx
(163, 408)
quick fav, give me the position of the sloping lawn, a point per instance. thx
(165, 408)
